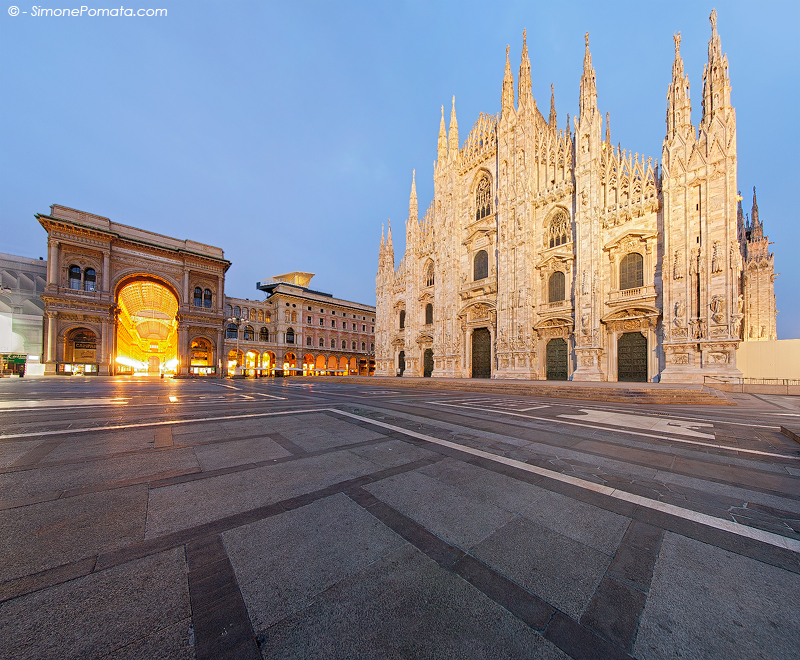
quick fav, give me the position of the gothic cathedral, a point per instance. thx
(550, 253)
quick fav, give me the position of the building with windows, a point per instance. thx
(22, 282)
(298, 330)
(551, 253)
(124, 300)
(121, 300)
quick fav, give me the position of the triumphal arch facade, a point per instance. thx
(125, 300)
(549, 252)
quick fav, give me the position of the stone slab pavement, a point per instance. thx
(333, 526)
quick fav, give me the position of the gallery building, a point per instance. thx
(551, 253)
(122, 300)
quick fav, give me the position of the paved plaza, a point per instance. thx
(297, 518)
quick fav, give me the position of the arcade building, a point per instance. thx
(121, 300)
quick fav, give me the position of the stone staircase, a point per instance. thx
(646, 393)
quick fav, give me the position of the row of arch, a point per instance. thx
(267, 362)
(251, 315)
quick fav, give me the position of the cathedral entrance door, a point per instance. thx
(557, 359)
(632, 358)
(428, 362)
(481, 353)
(401, 363)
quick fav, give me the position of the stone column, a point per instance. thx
(107, 272)
(183, 353)
(186, 286)
(50, 359)
(52, 264)
(219, 353)
(102, 368)
(221, 293)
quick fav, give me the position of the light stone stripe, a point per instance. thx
(775, 540)
(120, 427)
(559, 420)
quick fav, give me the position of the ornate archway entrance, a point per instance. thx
(632, 358)
(147, 328)
(481, 353)
(427, 362)
(557, 359)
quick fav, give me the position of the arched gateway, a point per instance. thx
(144, 303)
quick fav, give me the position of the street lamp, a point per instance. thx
(237, 371)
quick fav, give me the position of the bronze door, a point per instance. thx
(428, 363)
(632, 358)
(557, 359)
(481, 353)
(401, 363)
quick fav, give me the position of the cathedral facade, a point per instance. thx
(550, 253)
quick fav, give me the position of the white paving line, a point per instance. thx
(581, 403)
(119, 427)
(665, 438)
(775, 540)
(60, 403)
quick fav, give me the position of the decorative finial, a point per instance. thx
(713, 19)
(587, 39)
(507, 49)
(677, 38)
(524, 35)
(442, 113)
(454, 102)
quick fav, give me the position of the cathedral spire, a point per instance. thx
(741, 227)
(524, 95)
(716, 84)
(679, 107)
(608, 131)
(453, 138)
(389, 248)
(755, 223)
(442, 150)
(588, 100)
(507, 105)
(412, 200)
(552, 119)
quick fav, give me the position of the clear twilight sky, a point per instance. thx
(286, 132)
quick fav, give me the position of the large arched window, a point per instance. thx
(198, 297)
(631, 271)
(481, 265)
(483, 198)
(402, 319)
(428, 314)
(207, 297)
(89, 280)
(290, 336)
(555, 287)
(228, 311)
(237, 311)
(363, 346)
(344, 344)
(354, 346)
(232, 332)
(333, 343)
(429, 275)
(557, 230)
(75, 278)
(321, 342)
(249, 333)
(263, 335)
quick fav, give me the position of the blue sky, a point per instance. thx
(286, 133)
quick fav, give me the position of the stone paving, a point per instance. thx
(339, 522)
